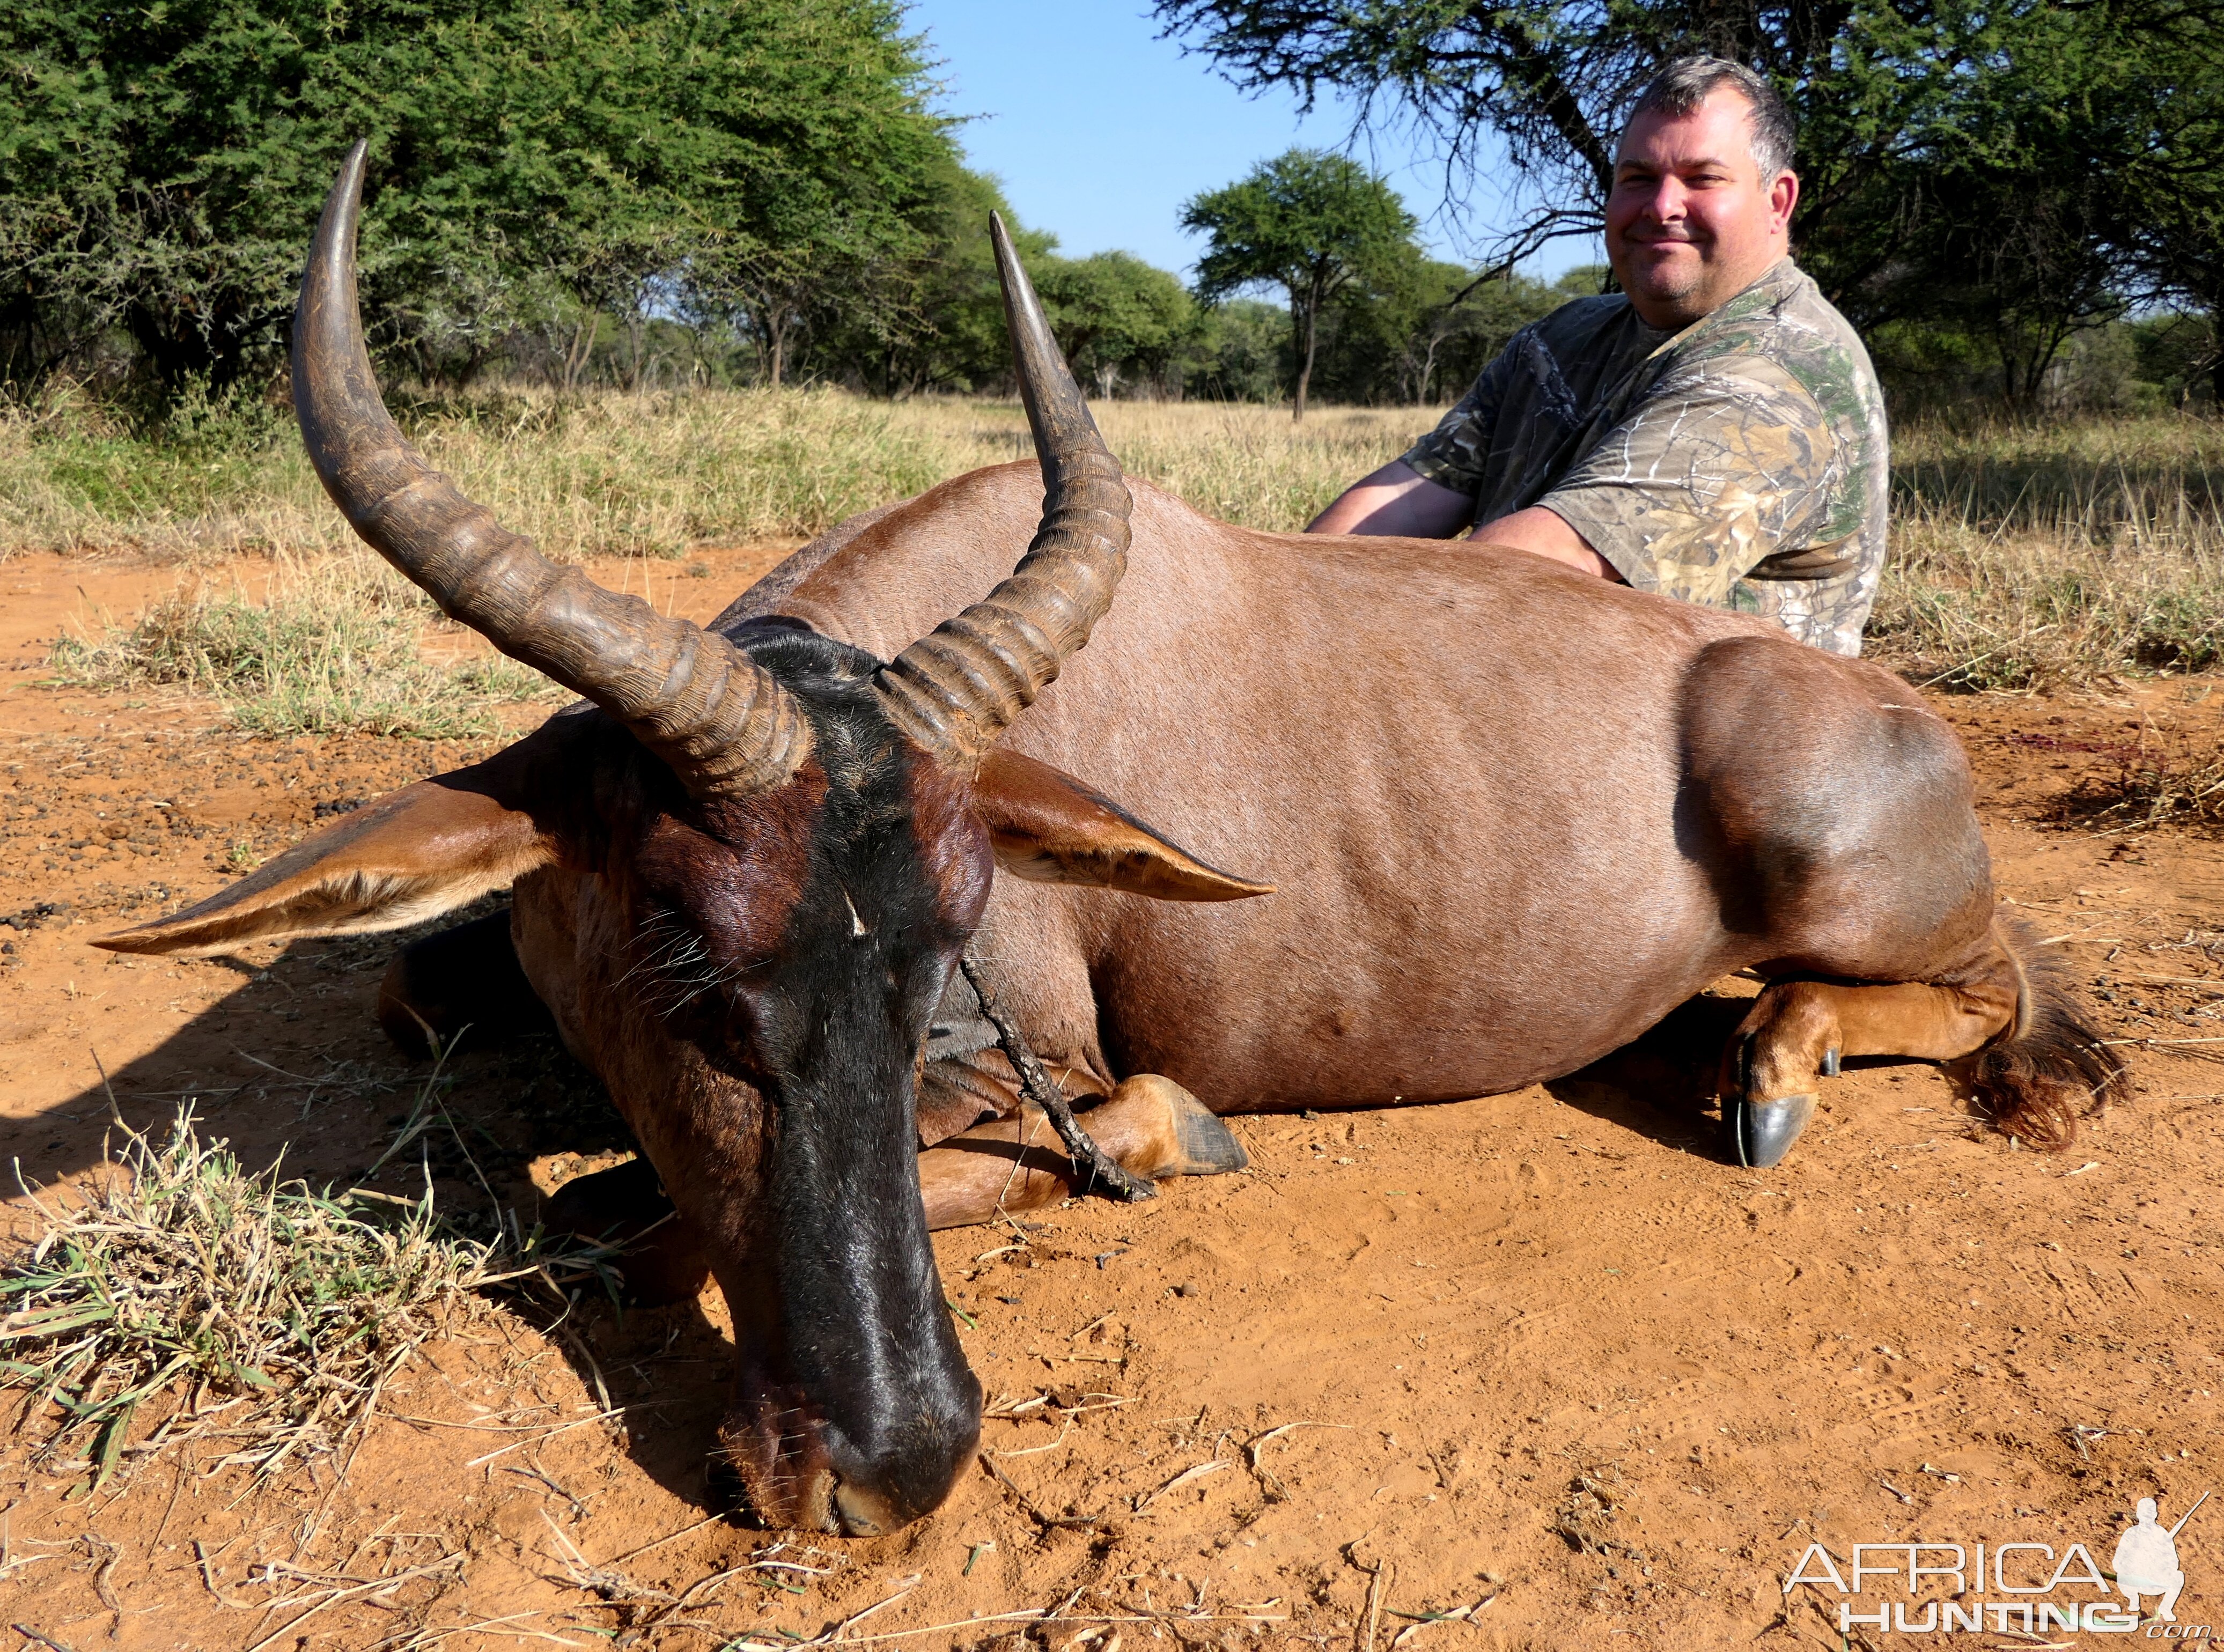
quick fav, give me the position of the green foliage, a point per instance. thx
(627, 192)
(1422, 336)
(2180, 354)
(943, 327)
(161, 168)
(1115, 315)
(1240, 352)
(1318, 225)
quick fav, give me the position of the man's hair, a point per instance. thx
(1681, 87)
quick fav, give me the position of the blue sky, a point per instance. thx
(1100, 130)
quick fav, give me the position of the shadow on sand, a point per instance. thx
(291, 1065)
(291, 1068)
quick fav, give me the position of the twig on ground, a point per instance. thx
(1187, 1477)
(668, 1537)
(208, 1576)
(1025, 1615)
(425, 1637)
(1064, 1434)
(1072, 1522)
(376, 1585)
(1269, 1482)
(551, 1432)
(1457, 1615)
(1374, 1605)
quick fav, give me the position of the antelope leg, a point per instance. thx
(1151, 1125)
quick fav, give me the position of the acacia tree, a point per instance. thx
(1311, 223)
(2085, 134)
(1115, 315)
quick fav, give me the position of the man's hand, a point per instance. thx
(1544, 533)
(1396, 501)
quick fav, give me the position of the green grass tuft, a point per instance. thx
(242, 1306)
(232, 1299)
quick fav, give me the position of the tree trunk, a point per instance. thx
(1429, 365)
(2216, 354)
(1309, 326)
(582, 346)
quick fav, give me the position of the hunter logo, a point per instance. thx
(2023, 1587)
(2146, 1560)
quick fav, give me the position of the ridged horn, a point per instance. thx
(720, 720)
(956, 689)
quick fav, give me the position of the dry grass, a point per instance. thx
(650, 475)
(2057, 554)
(333, 645)
(2171, 776)
(1241, 462)
(2022, 556)
(242, 1307)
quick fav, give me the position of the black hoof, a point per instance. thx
(1762, 1132)
(1207, 1147)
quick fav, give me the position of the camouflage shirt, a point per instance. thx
(1740, 463)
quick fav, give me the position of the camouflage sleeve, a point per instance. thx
(1723, 462)
(1455, 453)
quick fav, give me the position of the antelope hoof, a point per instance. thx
(1762, 1132)
(1207, 1146)
(1200, 1144)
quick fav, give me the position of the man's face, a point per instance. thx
(1690, 222)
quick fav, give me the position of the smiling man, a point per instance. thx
(1714, 432)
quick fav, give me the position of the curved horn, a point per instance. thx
(720, 720)
(956, 689)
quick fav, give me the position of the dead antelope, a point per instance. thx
(1514, 817)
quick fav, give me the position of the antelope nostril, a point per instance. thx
(865, 1514)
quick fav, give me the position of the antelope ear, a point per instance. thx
(412, 854)
(1049, 828)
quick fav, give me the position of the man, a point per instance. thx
(1714, 432)
(2147, 1563)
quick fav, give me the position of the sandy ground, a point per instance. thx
(1539, 1358)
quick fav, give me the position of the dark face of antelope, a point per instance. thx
(799, 942)
(793, 866)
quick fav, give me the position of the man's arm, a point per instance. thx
(1399, 501)
(1396, 500)
(1544, 533)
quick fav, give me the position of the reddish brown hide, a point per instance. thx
(1515, 816)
